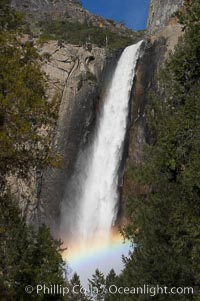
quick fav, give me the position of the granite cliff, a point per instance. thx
(163, 32)
(65, 10)
(76, 74)
(73, 77)
(160, 13)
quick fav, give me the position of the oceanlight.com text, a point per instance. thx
(56, 289)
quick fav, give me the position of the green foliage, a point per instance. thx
(164, 212)
(98, 284)
(27, 257)
(24, 108)
(75, 293)
(79, 34)
(10, 20)
(111, 280)
(78, 2)
(189, 17)
(103, 286)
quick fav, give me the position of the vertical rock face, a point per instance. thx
(80, 78)
(74, 75)
(160, 13)
(75, 71)
(164, 32)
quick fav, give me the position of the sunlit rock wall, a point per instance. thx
(160, 12)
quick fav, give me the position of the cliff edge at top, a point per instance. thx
(66, 10)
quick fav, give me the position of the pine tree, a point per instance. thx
(97, 284)
(26, 115)
(111, 280)
(26, 257)
(77, 292)
(165, 215)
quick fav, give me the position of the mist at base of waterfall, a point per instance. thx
(91, 203)
(98, 254)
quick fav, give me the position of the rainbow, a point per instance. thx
(103, 252)
(98, 247)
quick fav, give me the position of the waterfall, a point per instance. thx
(92, 210)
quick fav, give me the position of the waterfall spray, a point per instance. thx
(92, 210)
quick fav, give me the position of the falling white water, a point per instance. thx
(90, 208)
(99, 200)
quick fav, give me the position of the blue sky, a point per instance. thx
(133, 12)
